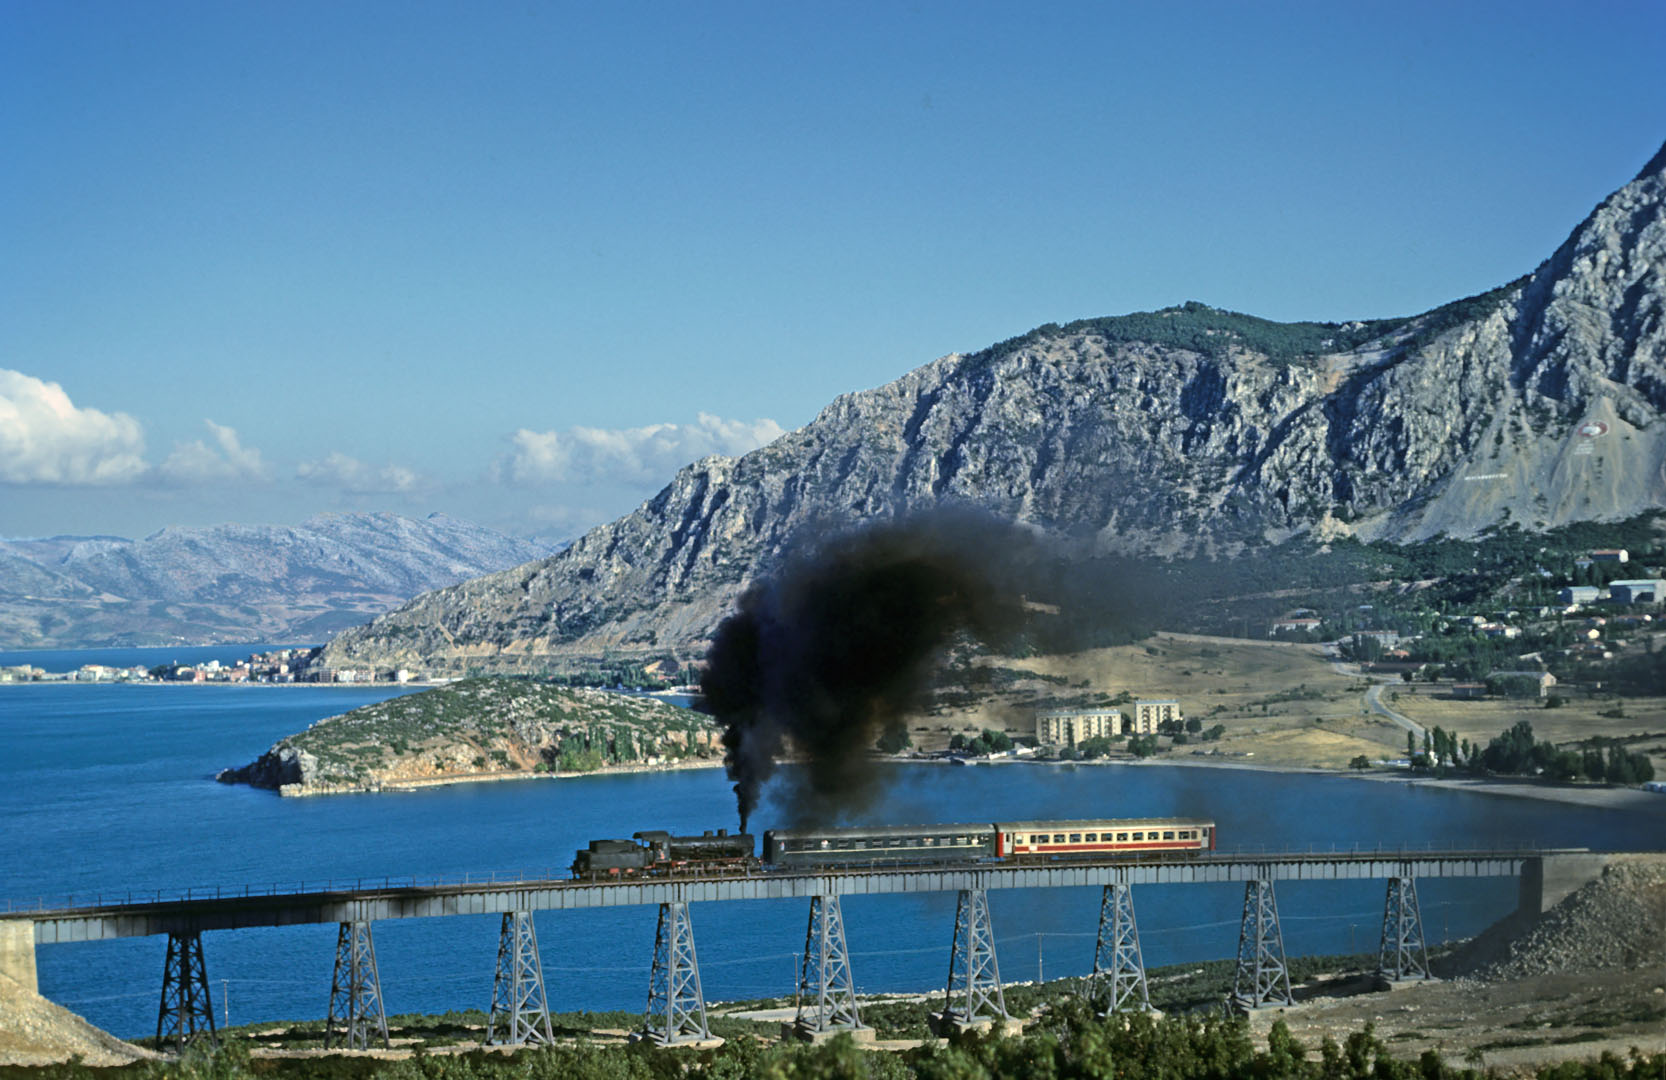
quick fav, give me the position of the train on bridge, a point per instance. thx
(658, 853)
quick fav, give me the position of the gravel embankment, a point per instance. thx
(1617, 921)
(34, 1031)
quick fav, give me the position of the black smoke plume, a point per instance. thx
(839, 646)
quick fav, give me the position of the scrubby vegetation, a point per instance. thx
(499, 724)
(1067, 1042)
(1211, 331)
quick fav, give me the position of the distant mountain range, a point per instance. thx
(1184, 430)
(227, 583)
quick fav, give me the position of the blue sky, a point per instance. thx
(520, 261)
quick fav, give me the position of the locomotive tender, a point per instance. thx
(1023, 842)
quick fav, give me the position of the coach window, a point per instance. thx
(1058, 838)
(1122, 836)
(1075, 838)
(1139, 836)
(1092, 838)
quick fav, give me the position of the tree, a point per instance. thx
(1361, 762)
(1096, 747)
(1194, 725)
(997, 741)
(1411, 744)
(894, 739)
(957, 742)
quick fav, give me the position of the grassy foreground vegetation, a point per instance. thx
(1067, 1041)
(1062, 1040)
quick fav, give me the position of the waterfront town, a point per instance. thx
(276, 666)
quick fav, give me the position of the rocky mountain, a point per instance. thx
(236, 582)
(1187, 429)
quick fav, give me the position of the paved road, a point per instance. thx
(1374, 699)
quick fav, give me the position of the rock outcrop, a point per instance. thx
(1184, 430)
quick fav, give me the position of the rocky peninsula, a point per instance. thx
(481, 729)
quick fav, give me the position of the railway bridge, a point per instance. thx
(676, 1009)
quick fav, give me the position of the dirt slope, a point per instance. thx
(34, 1031)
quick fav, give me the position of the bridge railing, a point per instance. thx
(304, 887)
(134, 898)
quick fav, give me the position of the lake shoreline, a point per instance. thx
(310, 791)
(1605, 796)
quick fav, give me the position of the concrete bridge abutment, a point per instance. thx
(17, 953)
(1547, 880)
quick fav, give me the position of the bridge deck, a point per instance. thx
(237, 910)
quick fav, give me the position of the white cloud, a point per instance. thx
(355, 477)
(644, 455)
(196, 462)
(45, 439)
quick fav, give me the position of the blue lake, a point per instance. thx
(109, 789)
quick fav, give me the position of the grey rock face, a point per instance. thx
(237, 582)
(283, 764)
(1539, 403)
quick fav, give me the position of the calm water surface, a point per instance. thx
(106, 789)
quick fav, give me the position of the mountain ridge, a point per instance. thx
(1536, 403)
(236, 582)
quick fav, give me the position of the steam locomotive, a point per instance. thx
(655, 851)
(658, 853)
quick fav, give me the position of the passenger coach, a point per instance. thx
(879, 844)
(1120, 836)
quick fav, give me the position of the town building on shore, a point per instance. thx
(1149, 715)
(1067, 727)
(1637, 591)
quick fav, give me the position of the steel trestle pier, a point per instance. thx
(827, 995)
(520, 1012)
(1402, 955)
(187, 1012)
(676, 1007)
(1260, 978)
(973, 995)
(356, 1013)
(1118, 980)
